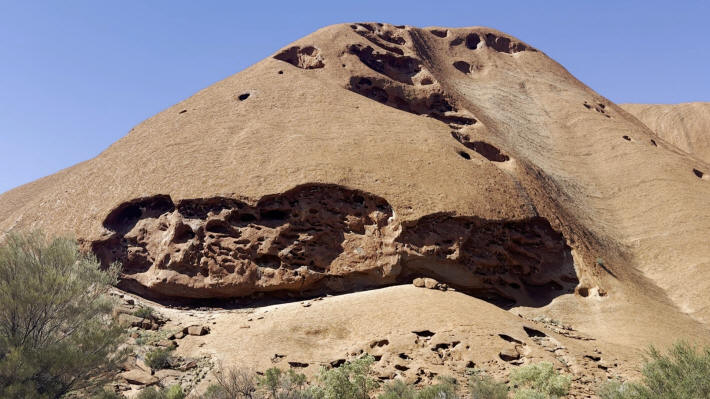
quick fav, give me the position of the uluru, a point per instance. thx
(440, 198)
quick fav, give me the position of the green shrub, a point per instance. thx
(539, 378)
(485, 387)
(174, 392)
(527, 393)
(350, 381)
(56, 333)
(397, 389)
(149, 393)
(445, 389)
(683, 373)
(144, 312)
(158, 358)
(171, 392)
(106, 394)
(216, 391)
(614, 389)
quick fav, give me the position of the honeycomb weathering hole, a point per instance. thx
(308, 57)
(321, 238)
(699, 174)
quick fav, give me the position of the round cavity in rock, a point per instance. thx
(464, 155)
(627, 138)
(243, 96)
(281, 72)
(426, 81)
(583, 291)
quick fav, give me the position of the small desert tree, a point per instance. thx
(56, 334)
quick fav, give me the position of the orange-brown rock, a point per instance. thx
(369, 154)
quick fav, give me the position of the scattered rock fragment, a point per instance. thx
(138, 377)
(196, 330)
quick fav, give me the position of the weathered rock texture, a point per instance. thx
(370, 154)
(686, 126)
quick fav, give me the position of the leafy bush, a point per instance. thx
(56, 334)
(349, 381)
(171, 392)
(527, 393)
(144, 312)
(614, 389)
(540, 378)
(158, 358)
(445, 389)
(106, 394)
(485, 387)
(397, 389)
(682, 373)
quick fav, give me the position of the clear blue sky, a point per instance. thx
(77, 75)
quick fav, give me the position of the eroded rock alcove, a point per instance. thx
(325, 238)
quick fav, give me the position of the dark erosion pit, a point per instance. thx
(321, 238)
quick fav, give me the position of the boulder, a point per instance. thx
(138, 377)
(196, 330)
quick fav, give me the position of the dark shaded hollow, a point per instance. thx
(439, 32)
(472, 41)
(508, 338)
(243, 96)
(466, 252)
(698, 173)
(463, 66)
(531, 332)
(627, 138)
(488, 151)
(654, 143)
(464, 155)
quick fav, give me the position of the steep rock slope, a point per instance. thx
(368, 154)
(687, 126)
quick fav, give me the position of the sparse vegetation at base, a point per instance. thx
(56, 333)
(144, 312)
(682, 373)
(158, 358)
(539, 380)
(171, 392)
(483, 386)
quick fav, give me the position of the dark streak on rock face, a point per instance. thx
(326, 238)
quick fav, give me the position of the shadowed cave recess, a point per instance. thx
(317, 239)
